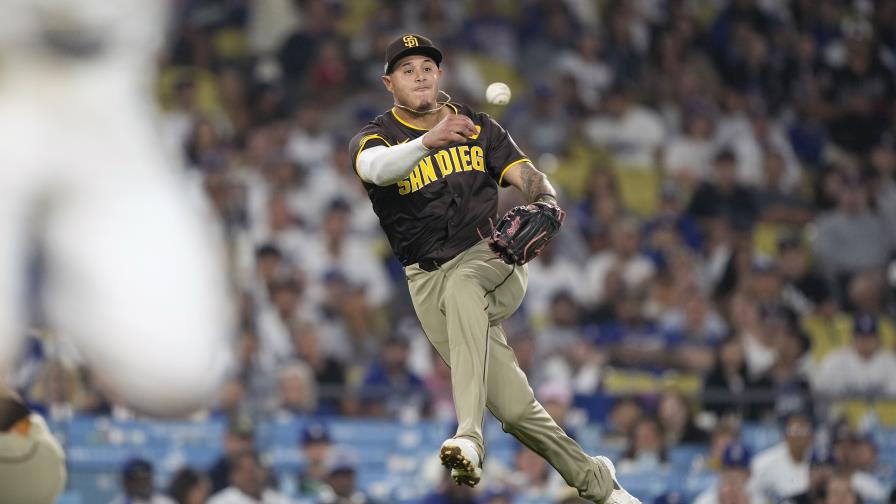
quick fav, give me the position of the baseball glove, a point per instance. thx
(524, 231)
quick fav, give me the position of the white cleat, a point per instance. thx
(619, 494)
(460, 455)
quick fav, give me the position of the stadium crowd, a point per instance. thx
(729, 171)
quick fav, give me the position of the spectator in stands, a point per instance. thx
(621, 421)
(287, 308)
(623, 255)
(861, 462)
(533, 478)
(633, 134)
(58, 390)
(449, 492)
(337, 248)
(724, 386)
(803, 289)
(497, 496)
(240, 436)
(734, 480)
(316, 451)
(342, 482)
(821, 468)
(784, 387)
(687, 159)
(839, 491)
(329, 372)
(189, 486)
(561, 329)
(646, 447)
(725, 433)
(390, 388)
(851, 238)
(690, 331)
(580, 367)
(551, 274)
(137, 484)
(296, 390)
(782, 471)
(631, 339)
(863, 369)
(248, 482)
(438, 388)
(677, 421)
(722, 197)
(777, 200)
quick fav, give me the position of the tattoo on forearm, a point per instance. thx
(535, 185)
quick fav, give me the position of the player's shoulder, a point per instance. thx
(378, 127)
(463, 108)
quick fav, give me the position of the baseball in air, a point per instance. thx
(497, 93)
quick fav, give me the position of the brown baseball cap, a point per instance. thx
(407, 45)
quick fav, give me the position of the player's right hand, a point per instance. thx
(456, 128)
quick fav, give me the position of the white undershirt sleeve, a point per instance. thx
(384, 166)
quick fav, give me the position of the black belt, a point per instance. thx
(431, 264)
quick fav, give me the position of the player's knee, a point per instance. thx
(513, 416)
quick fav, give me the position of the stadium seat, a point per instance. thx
(70, 498)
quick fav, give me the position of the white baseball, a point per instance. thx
(497, 93)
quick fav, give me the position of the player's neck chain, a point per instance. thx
(441, 104)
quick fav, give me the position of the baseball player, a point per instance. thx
(432, 169)
(132, 274)
(32, 463)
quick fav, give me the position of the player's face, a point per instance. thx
(414, 82)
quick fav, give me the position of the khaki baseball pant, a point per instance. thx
(461, 306)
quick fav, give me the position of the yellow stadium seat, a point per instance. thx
(639, 189)
(854, 411)
(206, 87)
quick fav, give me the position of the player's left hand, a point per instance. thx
(524, 231)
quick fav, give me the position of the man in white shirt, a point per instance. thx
(861, 369)
(782, 471)
(633, 134)
(248, 479)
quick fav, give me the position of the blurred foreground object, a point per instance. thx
(132, 275)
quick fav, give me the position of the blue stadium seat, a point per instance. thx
(69, 498)
(757, 437)
(683, 457)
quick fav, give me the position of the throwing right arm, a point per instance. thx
(382, 165)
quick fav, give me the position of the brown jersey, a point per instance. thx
(444, 205)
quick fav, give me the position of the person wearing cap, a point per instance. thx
(432, 169)
(32, 462)
(863, 369)
(341, 481)
(316, 447)
(138, 484)
(239, 437)
(733, 486)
